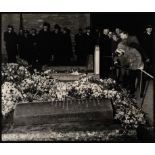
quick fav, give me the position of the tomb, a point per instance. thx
(67, 111)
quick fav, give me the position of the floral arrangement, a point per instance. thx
(22, 62)
(19, 85)
(10, 97)
(14, 73)
(84, 88)
(128, 113)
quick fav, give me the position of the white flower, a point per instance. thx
(121, 113)
(10, 97)
(101, 80)
(47, 71)
(75, 73)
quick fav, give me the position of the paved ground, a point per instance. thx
(148, 105)
(82, 136)
(147, 102)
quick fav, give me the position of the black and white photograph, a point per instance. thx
(77, 77)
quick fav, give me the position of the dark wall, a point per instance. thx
(71, 20)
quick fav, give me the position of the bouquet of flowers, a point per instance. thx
(84, 89)
(22, 62)
(10, 97)
(12, 72)
(128, 113)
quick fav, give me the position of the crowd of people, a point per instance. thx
(124, 55)
(38, 47)
(120, 53)
(48, 46)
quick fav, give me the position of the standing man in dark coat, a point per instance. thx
(79, 47)
(114, 42)
(105, 54)
(146, 40)
(118, 31)
(89, 43)
(24, 46)
(45, 44)
(10, 38)
(20, 43)
(96, 34)
(26, 49)
(67, 47)
(57, 39)
(147, 43)
(33, 37)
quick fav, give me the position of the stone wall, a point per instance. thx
(35, 20)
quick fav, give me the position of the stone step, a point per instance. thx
(60, 112)
(147, 102)
(66, 68)
(65, 77)
(68, 77)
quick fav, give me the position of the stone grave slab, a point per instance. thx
(61, 112)
(66, 77)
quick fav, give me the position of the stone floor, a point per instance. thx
(147, 102)
(148, 105)
(106, 135)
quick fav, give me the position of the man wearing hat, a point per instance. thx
(80, 47)
(45, 44)
(66, 46)
(147, 47)
(57, 39)
(89, 44)
(147, 43)
(10, 38)
(105, 53)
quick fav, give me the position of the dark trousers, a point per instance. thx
(145, 78)
(131, 80)
(143, 84)
(105, 64)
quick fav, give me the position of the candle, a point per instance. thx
(97, 60)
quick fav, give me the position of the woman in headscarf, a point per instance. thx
(130, 60)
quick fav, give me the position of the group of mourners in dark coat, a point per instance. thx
(48, 46)
(124, 55)
(130, 55)
(39, 47)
